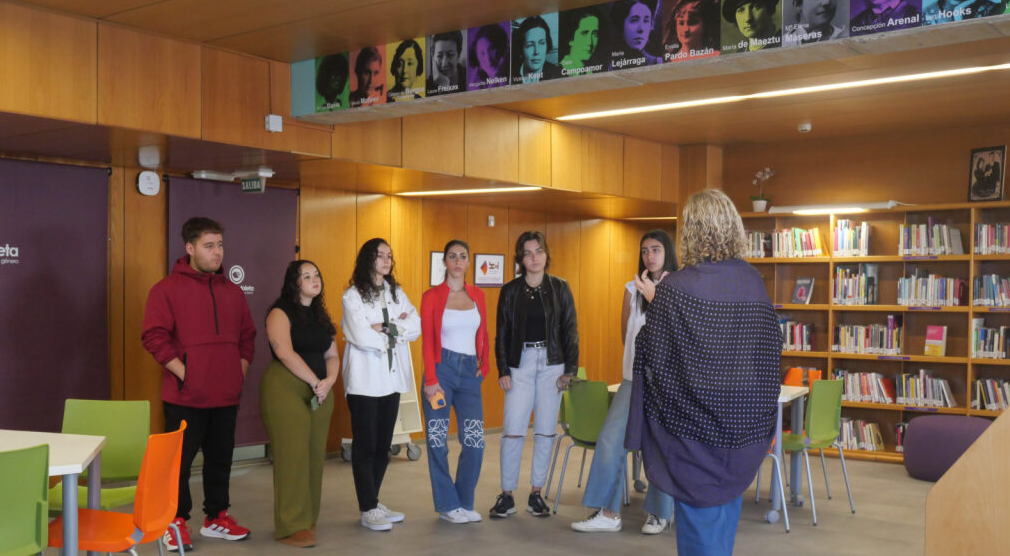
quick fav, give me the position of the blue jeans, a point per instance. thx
(460, 380)
(707, 531)
(534, 391)
(606, 474)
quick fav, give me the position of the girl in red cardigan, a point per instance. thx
(455, 344)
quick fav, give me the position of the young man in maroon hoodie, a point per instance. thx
(197, 325)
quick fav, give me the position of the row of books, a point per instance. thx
(796, 336)
(991, 290)
(899, 436)
(989, 343)
(856, 286)
(857, 434)
(991, 394)
(851, 239)
(786, 243)
(921, 389)
(929, 239)
(876, 339)
(759, 245)
(992, 239)
(931, 290)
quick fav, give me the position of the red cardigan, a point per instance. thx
(432, 308)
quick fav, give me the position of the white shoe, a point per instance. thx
(390, 515)
(598, 523)
(472, 515)
(654, 525)
(375, 519)
(455, 516)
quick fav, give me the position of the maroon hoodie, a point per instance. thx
(203, 319)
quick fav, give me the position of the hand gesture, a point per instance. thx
(431, 390)
(646, 287)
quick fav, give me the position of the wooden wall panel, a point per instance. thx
(534, 151)
(406, 238)
(327, 222)
(492, 144)
(47, 64)
(144, 258)
(378, 142)
(147, 82)
(566, 157)
(700, 168)
(596, 314)
(374, 219)
(280, 89)
(643, 169)
(671, 174)
(434, 142)
(602, 162)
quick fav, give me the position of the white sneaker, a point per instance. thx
(455, 516)
(654, 525)
(472, 515)
(598, 523)
(390, 515)
(375, 519)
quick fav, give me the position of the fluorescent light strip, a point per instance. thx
(832, 210)
(788, 92)
(469, 191)
(652, 218)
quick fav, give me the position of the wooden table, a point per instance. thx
(69, 456)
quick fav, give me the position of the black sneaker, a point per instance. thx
(503, 506)
(537, 506)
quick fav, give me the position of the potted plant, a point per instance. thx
(760, 201)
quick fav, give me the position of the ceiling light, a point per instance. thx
(213, 175)
(843, 208)
(788, 92)
(469, 191)
(652, 218)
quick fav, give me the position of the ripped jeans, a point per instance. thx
(460, 380)
(534, 389)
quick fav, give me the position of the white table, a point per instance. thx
(69, 456)
(794, 395)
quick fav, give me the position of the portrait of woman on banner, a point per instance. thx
(635, 27)
(691, 30)
(584, 47)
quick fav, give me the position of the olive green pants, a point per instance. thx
(298, 444)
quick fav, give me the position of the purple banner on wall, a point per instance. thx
(259, 241)
(53, 291)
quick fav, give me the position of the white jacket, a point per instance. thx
(366, 365)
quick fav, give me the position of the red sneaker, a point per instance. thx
(169, 538)
(223, 527)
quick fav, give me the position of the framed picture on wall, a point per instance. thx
(437, 269)
(985, 175)
(488, 270)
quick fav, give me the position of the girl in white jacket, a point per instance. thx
(378, 323)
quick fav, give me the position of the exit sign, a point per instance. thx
(254, 185)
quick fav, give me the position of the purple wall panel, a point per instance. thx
(260, 237)
(53, 290)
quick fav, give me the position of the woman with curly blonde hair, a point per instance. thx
(706, 378)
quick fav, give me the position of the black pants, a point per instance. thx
(213, 430)
(372, 423)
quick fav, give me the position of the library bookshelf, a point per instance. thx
(957, 365)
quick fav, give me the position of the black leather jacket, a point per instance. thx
(562, 328)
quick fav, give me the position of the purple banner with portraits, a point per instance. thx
(54, 337)
(488, 56)
(260, 235)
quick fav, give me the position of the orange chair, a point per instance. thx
(798, 376)
(154, 505)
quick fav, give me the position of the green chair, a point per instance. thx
(586, 404)
(125, 426)
(822, 424)
(580, 375)
(24, 512)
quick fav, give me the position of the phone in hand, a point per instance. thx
(437, 400)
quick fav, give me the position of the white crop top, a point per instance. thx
(459, 330)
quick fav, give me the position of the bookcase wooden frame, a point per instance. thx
(959, 367)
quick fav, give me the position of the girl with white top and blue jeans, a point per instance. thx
(605, 484)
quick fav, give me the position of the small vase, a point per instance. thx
(760, 204)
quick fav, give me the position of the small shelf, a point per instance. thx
(802, 306)
(985, 413)
(986, 361)
(981, 309)
(906, 407)
(910, 358)
(779, 260)
(1001, 257)
(901, 308)
(810, 354)
(884, 456)
(868, 259)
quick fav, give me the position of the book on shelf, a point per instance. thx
(802, 291)
(899, 436)
(989, 343)
(873, 339)
(929, 239)
(759, 245)
(787, 243)
(991, 394)
(924, 389)
(851, 239)
(936, 341)
(856, 286)
(857, 434)
(924, 289)
(866, 387)
(991, 290)
(796, 336)
(992, 239)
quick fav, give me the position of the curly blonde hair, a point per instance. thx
(710, 229)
